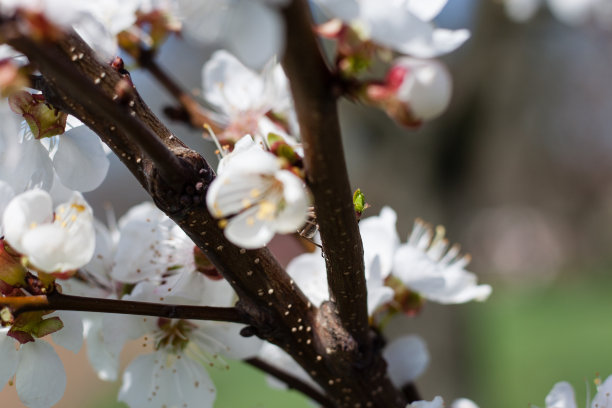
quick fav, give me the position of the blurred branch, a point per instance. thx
(197, 115)
(58, 301)
(291, 381)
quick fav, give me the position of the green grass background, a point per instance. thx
(517, 345)
(522, 341)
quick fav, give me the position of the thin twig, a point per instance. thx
(292, 382)
(198, 116)
(58, 301)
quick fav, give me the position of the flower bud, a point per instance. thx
(413, 91)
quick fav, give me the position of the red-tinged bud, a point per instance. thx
(117, 64)
(12, 272)
(413, 91)
(43, 119)
(204, 265)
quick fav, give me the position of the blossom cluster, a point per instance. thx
(51, 242)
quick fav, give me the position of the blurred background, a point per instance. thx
(518, 171)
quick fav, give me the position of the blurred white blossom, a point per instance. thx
(251, 29)
(404, 26)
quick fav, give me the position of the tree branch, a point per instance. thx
(291, 381)
(273, 306)
(198, 116)
(312, 86)
(58, 301)
(93, 98)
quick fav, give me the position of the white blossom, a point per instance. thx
(380, 240)
(153, 248)
(562, 396)
(262, 198)
(58, 241)
(77, 157)
(251, 29)
(97, 22)
(174, 374)
(244, 97)
(402, 25)
(426, 87)
(40, 378)
(426, 265)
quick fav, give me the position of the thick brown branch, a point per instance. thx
(312, 86)
(274, 308)
(198, 116)
(58, 301)
(292, 382)
(92, 98)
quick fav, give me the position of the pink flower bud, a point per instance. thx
(426, 87)
(413, 91)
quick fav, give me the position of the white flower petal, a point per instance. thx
(66, 244)
(25, 164)
(6, 195)
(308, 272)
(23, 212)
(407, 358)
(225, 339)
(378, 293)
(561, 396)
(40, 377)
(426, 10)
(103, 358)
(380, 239)
(71, 335)
(427, 87)
(257, 33)
(9, 357)
(295, 206)
(249, 231)
(229, 85)
(603, 399)
(141, 252)
(463, 403)
(161, 379)
(80, 160)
